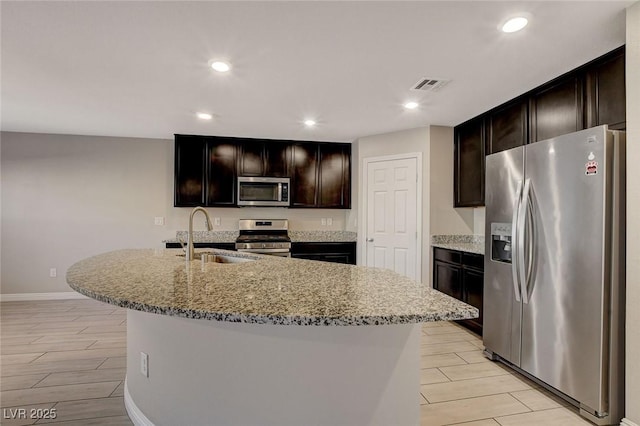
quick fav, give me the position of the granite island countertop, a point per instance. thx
(269, 290)
(467, 243)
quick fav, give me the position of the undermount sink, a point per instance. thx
(219, 258)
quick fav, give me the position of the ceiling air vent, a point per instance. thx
(430, 84)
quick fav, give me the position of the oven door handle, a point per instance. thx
(277, 252)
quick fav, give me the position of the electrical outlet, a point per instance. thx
(216, 221)
(323, 221)
(329, 221)
(53, 272)
(144, 364)
(158, 220)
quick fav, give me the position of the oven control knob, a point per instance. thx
(264, 245)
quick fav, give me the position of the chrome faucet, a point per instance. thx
(189, 253)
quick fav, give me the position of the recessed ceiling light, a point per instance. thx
(309, 123)
(204, 116)
(411, 105)
(220, 66)
(515, 24)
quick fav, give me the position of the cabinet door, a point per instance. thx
(304, 175)
(446, 278)
(221, 173)
(277, 159)
(334, 176)
(469, 164)
(557, 109)
(606, 92)
(251, 161)
(473, 285)
(507, 127)
(189, 177)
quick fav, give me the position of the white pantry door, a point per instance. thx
(392, 216)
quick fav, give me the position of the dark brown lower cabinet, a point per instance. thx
(473, 285)
(446, 278)
(341, 252)
(461, 276)
(220, 246)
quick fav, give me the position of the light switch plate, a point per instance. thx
(216, 221)
(329, 221)
(323, 221)
(159, 220)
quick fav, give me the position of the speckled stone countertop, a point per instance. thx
(296, 236)
(466, 243)
(322, 236)
(270, 290)
(206, 237)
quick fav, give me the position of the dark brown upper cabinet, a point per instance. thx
(321, 175)
(205, 171)
(207, 168)
(189, 177)
(590, 95)
(221, 172)
(507, 127)
(251, 161)
(557, 108)
(258, 157)
(605, 92)
(278, 159)
(304, 177)
(334, 176)
(469, 163)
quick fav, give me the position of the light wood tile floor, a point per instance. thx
(70, 355)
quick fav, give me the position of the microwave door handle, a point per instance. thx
(514, 244)
(522, 219)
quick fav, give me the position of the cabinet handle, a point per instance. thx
(369, 240)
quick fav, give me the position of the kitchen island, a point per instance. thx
(266, 341)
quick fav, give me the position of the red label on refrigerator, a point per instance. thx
(591, 168)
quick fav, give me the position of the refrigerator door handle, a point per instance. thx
(514, 244)
(522, 236)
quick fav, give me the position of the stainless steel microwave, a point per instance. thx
(263, 191)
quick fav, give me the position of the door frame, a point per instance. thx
(362, 236)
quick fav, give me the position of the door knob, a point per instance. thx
(369, 240)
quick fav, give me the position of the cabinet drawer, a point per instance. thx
(446, 255)
(473, 260)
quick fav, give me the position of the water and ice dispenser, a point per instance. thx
(501, 242)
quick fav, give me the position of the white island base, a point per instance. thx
(220, 373)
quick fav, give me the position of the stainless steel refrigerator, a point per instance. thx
(554, 266)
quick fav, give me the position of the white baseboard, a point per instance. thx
(627, 422)
(135, 414)
(19, 297)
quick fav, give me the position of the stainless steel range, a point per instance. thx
(264, 236)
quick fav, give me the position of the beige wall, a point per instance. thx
(68, 197)
(444, 218)
(633, 207)
(406, 141)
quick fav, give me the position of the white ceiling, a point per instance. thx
(140, 69)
